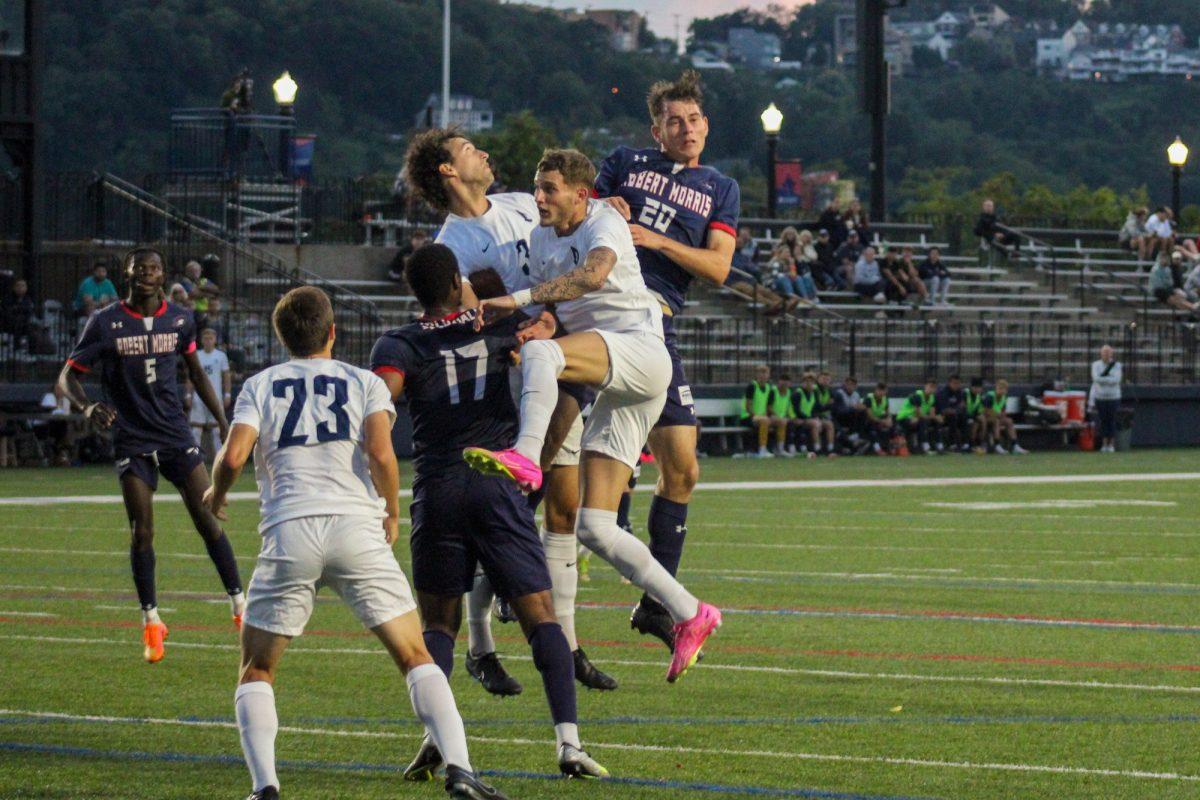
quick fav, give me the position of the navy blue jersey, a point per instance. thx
(681, 203)
(456, 384)
(139, 359)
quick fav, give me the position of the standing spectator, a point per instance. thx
(827, 273)
(999, 423)
(1162, 286)
(18, 314)
(992, 235)
(756, 409)
(1160, 232)
(1133, 235)
(936, 276)
(895, 286)
(238, 97)
(919, 419)
(416, 241)
(831, 220)
(200, 290)
(951, 404)
(880, 423)
(868, 282)
(855, 219)
(1105, 396)
(94, 292)
(216, 369)
(849, 413)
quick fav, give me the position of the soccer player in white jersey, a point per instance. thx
(320, 430)
(215, 364)
(584, 262)
(493, 232)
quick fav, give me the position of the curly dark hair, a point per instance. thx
(426, 153)
(686, 87)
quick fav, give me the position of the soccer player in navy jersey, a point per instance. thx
(139, 344)
(683, 217)
(456, 381)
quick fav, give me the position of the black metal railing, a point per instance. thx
(215, 141)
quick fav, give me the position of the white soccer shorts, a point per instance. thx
(631, 400)
(346, 553)
(568, 453)
(200, 415)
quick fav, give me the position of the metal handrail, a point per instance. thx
(1045, 245)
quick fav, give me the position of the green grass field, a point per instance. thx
(880, 641)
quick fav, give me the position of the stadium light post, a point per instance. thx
(772, 121)
(446, 64)
(1177, 154)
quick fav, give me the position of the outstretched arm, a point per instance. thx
(587, 277)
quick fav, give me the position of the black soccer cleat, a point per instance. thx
(463, 785)
(265, 793)
(426, 763)
(587, 674)
(503, 610)
(488, 670)
(656, 622)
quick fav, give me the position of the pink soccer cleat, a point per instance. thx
(689, 638)
(505, 464)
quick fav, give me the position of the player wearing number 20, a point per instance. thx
(140, 344)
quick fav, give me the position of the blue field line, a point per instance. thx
(356, 766)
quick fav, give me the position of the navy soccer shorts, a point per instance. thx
(680, 408)
(460, 518)
(175, 464)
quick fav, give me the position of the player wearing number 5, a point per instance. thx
(138, 344)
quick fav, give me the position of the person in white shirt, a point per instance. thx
(216, 367)
(1161, 231)
(585, 265)
(329, 485)
(1105, 396)
(494, 232)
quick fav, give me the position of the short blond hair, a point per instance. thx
(575, 168)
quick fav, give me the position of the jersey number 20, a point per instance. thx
(656, 215)
(321, 385)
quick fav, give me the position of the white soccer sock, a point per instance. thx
(434, 703)
(566, 733)
(237, 603)
(564, 580)
(541, 363)
(257, 724)
(598, 530)
(479, 617)
(150, 615)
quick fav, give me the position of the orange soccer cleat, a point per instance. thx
(152, 636)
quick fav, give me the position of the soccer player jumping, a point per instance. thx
(584, 261)
(684, 219)
(138, 343)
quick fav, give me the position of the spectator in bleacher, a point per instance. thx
(791, 262)
(951, 404)
(916, 287)
(1162, 286)
(849, 413)
(919, 420)
(880, 422)
(1105, 396)
(756, 410)
(784, 416)
(831, 220)
(179, 296)
(745, 250)
(868, 281)
(201, 291)
(95, 291)
(1133, 234)
(895, 278)
(416, 241)
(991, 233)
(745, 278)
(827, 271)
(936, 276)
(1161, 231)
(18, 314)
(998, 423)
(851, 248)
(855, 219)
(1191, 283)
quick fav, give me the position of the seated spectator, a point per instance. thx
(849, 413)
(756, 410)
(18, 314)
(916, 287)
(1133, 235)
(919, 420)
(881, 427)
(1190, 248)
(1162, 286)
(784, 415)
(1161, 232)
(992, 234)
(745, 251)
(416, 241)
(1191, 282)
(998, 423)
(824, 408)
(817, 428)
(745, 277)
(855, 219)
(793, 259)
(895, 280)
(951, 404)
(851, 249)
(936, 276)
(179, 296)
(94, 292)
(976, 420)
(831, 220)
(826, 272)
(868, 281)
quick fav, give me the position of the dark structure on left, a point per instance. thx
(20, 79)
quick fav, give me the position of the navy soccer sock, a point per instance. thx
(552, 657)
(143, 576)
(623, 512)
(668, 529)
(441, 646)
(221, 553)
(534, 498)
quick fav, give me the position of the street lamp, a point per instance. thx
(772, 121)
(285, 93)
(1177, 154)
(285, 98)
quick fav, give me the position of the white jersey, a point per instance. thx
(214, 365)
(309, 461)
(623, 304)
(499, 238)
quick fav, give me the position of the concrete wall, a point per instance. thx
(334, 261)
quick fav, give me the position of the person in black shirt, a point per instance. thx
(936, 276)
(894, 275)
(17, 312)
(950, 402)
(991, 233)
(826, 269)
(416, 241)
(831, 220)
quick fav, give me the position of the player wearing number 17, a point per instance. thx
(139, 344)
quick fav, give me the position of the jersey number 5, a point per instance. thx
(321, 385)
(476, 351)
(656, 215)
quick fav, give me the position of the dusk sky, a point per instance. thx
(662, 12)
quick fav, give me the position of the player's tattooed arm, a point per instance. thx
(101, 414)
(203, 388)
(587, 277)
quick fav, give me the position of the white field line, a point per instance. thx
(127, 608)
(643, 748)
(735, 486)
(935, 578)
(995, 680)
(27, 614)
(48, 551)
(694, 542)
(1060, 503)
